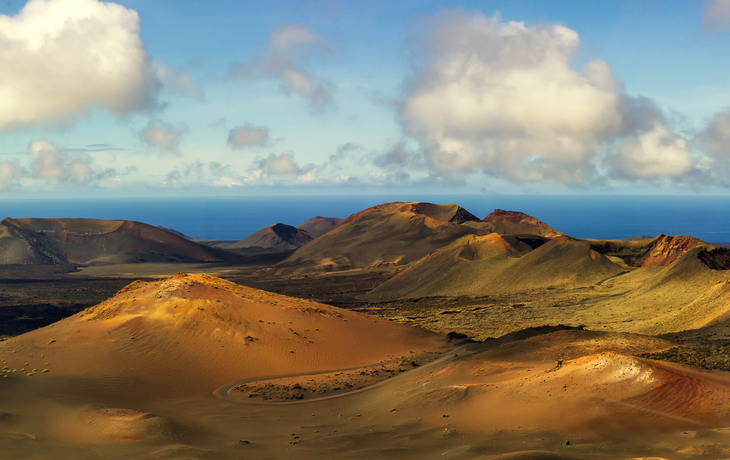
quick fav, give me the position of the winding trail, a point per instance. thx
(224, 391)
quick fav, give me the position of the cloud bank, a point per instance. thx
(504, 98)
(59, 58)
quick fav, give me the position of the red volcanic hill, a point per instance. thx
(395, 234)
(318, 225)
(512, 222)
(655, 252)
(190, 334)
(93, 241)
(278, 237)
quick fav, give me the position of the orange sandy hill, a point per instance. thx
(318, 225)
(277, 237)
(653, 252)
(193, 333)
(396, 234)
(489, 264)
(93, 241)
(580, 383)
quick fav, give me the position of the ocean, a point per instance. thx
(234, 218)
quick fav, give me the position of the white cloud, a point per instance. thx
(281, 164)
(59, 58)
(282, 61)
(178, 82)
(653, 154)
(79, 172)
(162, 135)
(716, 138)
(50, 163)
(248, 135)
(503, 97)
(10, 173)
(717, 14)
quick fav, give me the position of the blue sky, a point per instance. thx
(188, 98)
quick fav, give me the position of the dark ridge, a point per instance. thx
(289, 233)
(533, 241)
(715, 259)
(462, 215)
(39, 246)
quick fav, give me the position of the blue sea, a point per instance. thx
(234, 218)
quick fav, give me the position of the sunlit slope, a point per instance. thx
(93, 241)
(396, 234)
(687, 294)
(391, 234)
(582, 384)
(193, 333)
(490, 264)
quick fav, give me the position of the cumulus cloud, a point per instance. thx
(50, 163)
(59, 58)
(503, 98)
(10, 173)
(655, 153)
(287, 47)
(162, 135)
(248, 135)
(282, 164)
(178, 82)
(397, 157)
(717, 14)
(715, 140)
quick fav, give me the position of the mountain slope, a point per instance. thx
(515, 223)
(654, 252)
(278, 237)
(491, 264)
(390, 234)
(93, 241)
(205, 332)
(318, 226)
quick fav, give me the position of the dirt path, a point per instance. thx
(224, 391)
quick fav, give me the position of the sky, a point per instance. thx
(172, 98)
